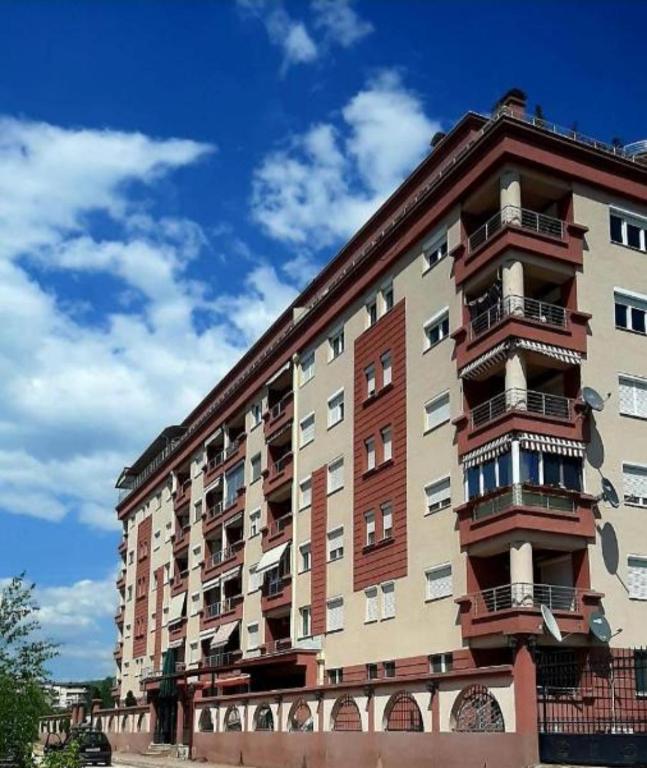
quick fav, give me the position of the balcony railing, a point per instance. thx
(519, 306)
(276, 586)
(512, 215)
(223, 554)
(529, 401)
(215, 510)
(231, 449)
(277, 646)
(224, 659)
(220, 607)
(522, 595)
(280, 464)
(276, 526)
(278, 408)
(522, 496)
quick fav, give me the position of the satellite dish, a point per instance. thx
(609, 493)
(550, 622)
(600, 627)
(593, 399)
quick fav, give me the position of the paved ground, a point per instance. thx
(129, 760)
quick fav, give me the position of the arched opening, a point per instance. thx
(98, 724)
(124, 724)
(345, 715)
(300, 717)
(476, 710)
(141, 722)
(402, 713)
(111, 723)
(205, 722)
(232, 719)
(263, 718)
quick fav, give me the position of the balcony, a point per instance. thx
(229, 556)
(234, 451)
(278, 474)
(180, 538)
(515, 609)
(182, 494)
(121, 580)
(123, 547)
(547, 516)
(224, 659)
(521, 410)
(279, 415)
(280, 645)
(119, 616)
(277, 531)
(179, 582)
(221, 607)
(521, 317)
(118, 650)
(520, 229)
(276, 594)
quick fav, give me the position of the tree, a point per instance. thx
(101, 689)
(131, 701)
(22, 670)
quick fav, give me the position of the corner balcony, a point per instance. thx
(118, 651)
(276, 595)
(511, 609)
(121, 580)
(277, 531)
(521, 317)
(518, 410)
(278, 474)
(123, 547)
(549, 517)
(119, 616)
(182, 495)
(519, 229)
(279, 415)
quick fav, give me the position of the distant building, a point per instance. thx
(65, 695)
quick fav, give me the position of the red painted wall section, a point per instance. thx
(159, 609)
(318, 525)
(142, 585)
(387, 558)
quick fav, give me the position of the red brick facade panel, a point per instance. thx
(318, 551)
(142, 586)
(159, 610)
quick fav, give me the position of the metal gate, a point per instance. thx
(592, 706)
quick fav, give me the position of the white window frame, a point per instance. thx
(331, 604)
(302, 435)
(305, 549)
(256, 414)
(307, 367)
(386, 435)
(370, 454)
(387, 612)
(372, 314)
(370, 380)
(335, 553)
(429, 408)
(634, 382)
(305, 493)
(386, 361)
(387, 513)
(336, 338)
(370, 533)
(633, 594)
(386, 290)
(254, 523)
(435, 321)
(444, 502)
(371, 605)
(630, 300)
(336, 408)
(254, 580)
(255, 461)
(437, 569)
(305, 618)
(436, 246)
(629, 499)
(636, 220)
(333, 466)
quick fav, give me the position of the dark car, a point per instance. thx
(94, 747)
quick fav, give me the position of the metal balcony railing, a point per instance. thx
(215, 510)
(223, 554)
(280, 464)
(222, 606)
(231, 449)
(540, 403)
(224, 659)
(524, 595)
(520, 495)
(524, 218)
(276, 526)
(274, 587)
(519, 306)
(278, 408)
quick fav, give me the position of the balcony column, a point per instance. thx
(521, 573)
(510, 195)
(516, 383)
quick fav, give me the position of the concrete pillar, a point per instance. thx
(512, 282)
(525, 688)
(179, 725)
(510, 196)
(152, 721)
(516, 383)
(521, 573)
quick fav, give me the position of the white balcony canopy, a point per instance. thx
(271, 558)
(223, 633)
(176, 611)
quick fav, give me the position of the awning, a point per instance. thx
(486, 452)
(223, 633)
(485, 361)
(213, 485)
(548, 444)
(214, 436)
(211, 584)
(176, 643)
(568, 356)
(271, 558)
(275, 435)
(231, 574)
(207, 634)
(177, 609)
(228, 682)
(275, 376)
(235, 519)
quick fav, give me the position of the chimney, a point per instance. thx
(513, 101)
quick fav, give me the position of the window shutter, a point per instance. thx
(439, 582)
(637, 577)
(371, 604)
(633, 396)
(437, 494)
(438, 411)
(635, 482)
(388, 601)
(335, 614)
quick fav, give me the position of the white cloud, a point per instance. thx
(331, 178)
(340, 22)
(81, 604)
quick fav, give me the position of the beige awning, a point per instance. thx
(223, 633)
(271, 558)
(485, 361)
(231, 574)
(549, 444)
(211, 584)
(486, 452)
(177, 609)
(176, 643)
(568, 356)
(278, 373)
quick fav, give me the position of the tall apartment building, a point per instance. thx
(402, 470)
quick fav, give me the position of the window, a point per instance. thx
(335, 544)
(633, 396)
(252, 636)
(336, 408)
(389, 668)
(630, 311)
(540, 469)
(387, 444)
(305, 493)
(640, 666)
(194, 608)
(305, 553)
(131, 557)
(371, 312)
(197, 512)
(254, 523)
(168, 532)
(371, 671)
(255, 580)
(387, 521)
(634, 481)
(369, 522)
(497, 473)
(256, 413)
(369, 447)
(388, 600)
(130, 593)
(628, 229)
(305, 616)
(335, 676)
(336, 475)
(197, 556)
(335, 614)
(336, 344)
(437, 411)
(234, 481)
(387, 297)
(438, 495)
(369, 375)
(434, 251)
(387, 373)
(437, 328)
(439, 582)
(637, 577)
(256, 467)
(307, 430)
(157, 538)
(167, 573)
(194, 654)
(307, 367)
(441, 662)
(371, 614)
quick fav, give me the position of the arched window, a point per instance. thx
(141, 722)
(476, 709)
(232, 719)
(205, 723)
(124, 724)
(345, 715)
(402, 713)
(300, 717)
(263, 719)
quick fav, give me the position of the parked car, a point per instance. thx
(94, 747)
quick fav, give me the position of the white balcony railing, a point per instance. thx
(524, 218)
(525, 400)
(519, 306)
(522, 595)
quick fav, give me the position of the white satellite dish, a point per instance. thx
(593, 399)
(550, 622)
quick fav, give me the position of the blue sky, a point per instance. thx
(171, 173)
